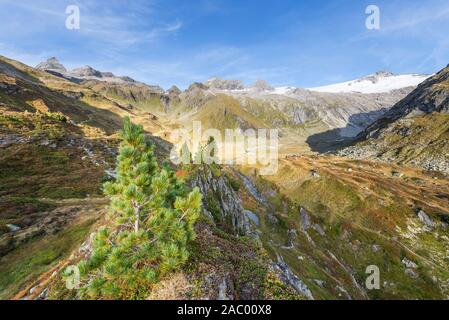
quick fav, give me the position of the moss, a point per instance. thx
(216, 170)
(56, 116)
(56, 157)
(234, 183)
(274, 289)
(213, 206)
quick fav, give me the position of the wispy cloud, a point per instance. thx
(177, 42)
(408, 20)
(121, 23)
(416, 16)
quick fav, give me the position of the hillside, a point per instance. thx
(414, 131)
(308, 232)
(326, 117)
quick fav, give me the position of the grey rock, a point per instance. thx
(86, 71)
(304, 219)
(314, 174)
(252, 216)
(13, 227)
(249, 185)
(289, 278)
(271, 218)
(319, 283)
(221, 84)
(262, 85)
(51, 64)
(230, 204)
(409, 264)
(411, 273)
(319, 229)
(426, 219)
(223, 291)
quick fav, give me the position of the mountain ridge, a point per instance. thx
(415, 130)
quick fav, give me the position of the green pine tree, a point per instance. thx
(185, 155)
(151, 219)
(199, 155)
(211, 150)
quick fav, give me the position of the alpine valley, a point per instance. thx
(362, 181)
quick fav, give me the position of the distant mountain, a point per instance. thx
(316, 224)
(221, 84)
(414, 131)
(346, 113)
(314, 117)
(262, 85)
(378, 82)
(53, 66)
(87, 71)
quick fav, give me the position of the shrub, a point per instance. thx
(152, 224)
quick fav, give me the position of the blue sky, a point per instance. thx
(295, 43)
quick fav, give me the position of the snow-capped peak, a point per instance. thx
(378, 82)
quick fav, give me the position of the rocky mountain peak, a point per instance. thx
(197, 86)
(86, 71)
(262, 85)
(375, 77)
(52, 64)
(223, 84)
(384, 74)
(174, 90)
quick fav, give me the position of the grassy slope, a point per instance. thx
(34, 180)
(22, 266)
(358, 205)
(353, 208)
(413, 140)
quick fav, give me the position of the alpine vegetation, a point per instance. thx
(151, 220)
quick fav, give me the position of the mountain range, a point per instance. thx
(320, 121)
(362, 181)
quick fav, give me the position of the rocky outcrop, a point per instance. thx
(221, 202)
(304, 219)
(222, 84)
(414, 131)
(88, 71)
(50, 223)
(262, 85)
(426, 219)
(54, 67)
(430, 96)
(289, 278)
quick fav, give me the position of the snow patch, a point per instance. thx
(377, 83)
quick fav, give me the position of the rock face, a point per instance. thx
(288, 277)
(54, 67)
(304, 219)
(414, 131)
(88, 71)
(51, 64)
(430, 96)
(426, 219)
(50, 223)
(262, 85)
(221, 84)
(223, 200)
(174, 90)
